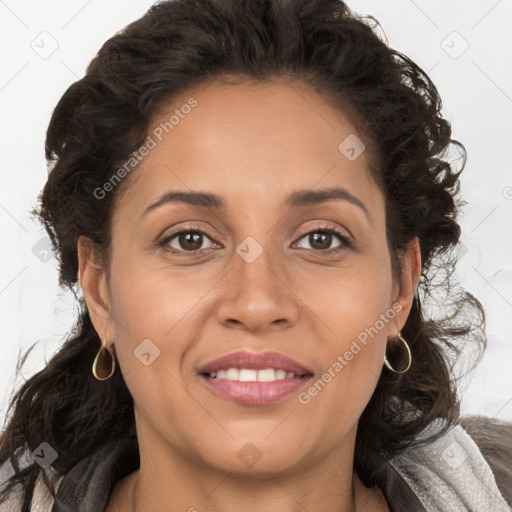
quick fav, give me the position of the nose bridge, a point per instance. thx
(258, 295)
(255, 267)
(255, 256)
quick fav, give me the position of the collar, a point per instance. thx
(88, 485)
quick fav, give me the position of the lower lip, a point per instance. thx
(255, 393)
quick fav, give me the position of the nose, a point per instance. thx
(257, 295)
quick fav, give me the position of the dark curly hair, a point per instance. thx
(105, 116)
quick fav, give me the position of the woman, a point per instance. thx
(253, 199)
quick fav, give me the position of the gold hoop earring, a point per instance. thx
(386, 362)
(102, 362)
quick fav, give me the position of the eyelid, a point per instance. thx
(323, 226)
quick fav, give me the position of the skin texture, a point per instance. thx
(253, 145)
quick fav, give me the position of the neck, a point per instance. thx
(323, 484)
(231, 494)
(129, 497)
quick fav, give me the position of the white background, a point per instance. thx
(476, 88)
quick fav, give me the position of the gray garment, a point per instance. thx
(449, 474)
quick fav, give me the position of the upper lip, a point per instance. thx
(255, 361)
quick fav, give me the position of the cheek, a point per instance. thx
(159, 315)
(355, 313)
(151, 299)
(156, 323)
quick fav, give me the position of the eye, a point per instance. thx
(189, 241)
(321, 238)
(186, 241)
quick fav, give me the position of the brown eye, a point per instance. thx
(322, 239)
(186, 241)
(190, 240)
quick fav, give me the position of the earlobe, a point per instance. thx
(92, 279)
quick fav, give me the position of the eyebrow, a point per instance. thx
(299, 198)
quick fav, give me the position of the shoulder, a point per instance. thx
(13, 501)
(90, 481)
(42, 498)
(450, 472)
(494, 440)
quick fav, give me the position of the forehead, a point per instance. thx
(256, 141)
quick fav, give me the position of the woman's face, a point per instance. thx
(255, 274)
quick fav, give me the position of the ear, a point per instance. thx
(405, 286)
(93, 280)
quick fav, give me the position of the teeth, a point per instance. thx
(250, 375)
(232, 374)
(280, 374)
(267, 375)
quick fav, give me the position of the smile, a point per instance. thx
(250, 375)
(254, 378)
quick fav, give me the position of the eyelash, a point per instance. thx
(346, 243)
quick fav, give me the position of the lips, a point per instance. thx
(254, 379)
(249, 360)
